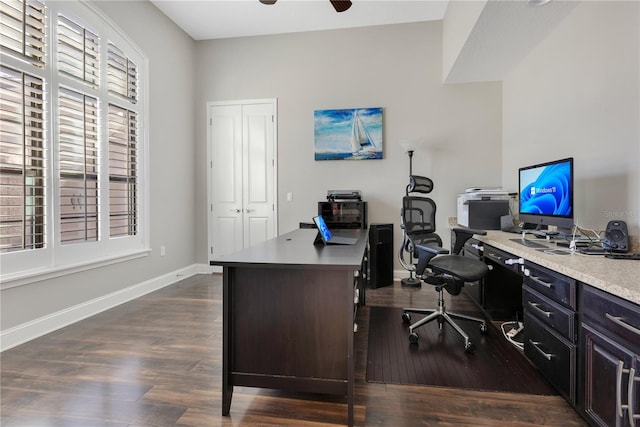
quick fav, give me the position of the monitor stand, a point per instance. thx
(543, 230)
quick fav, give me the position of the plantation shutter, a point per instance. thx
(122, 74)
(123, 159)
(23, 29)
(78, 164)
(78, 53)
(22, 167)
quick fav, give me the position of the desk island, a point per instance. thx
(288, 315)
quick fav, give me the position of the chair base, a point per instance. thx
(411, 282)
(442, 315)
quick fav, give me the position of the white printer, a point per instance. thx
(482, 207)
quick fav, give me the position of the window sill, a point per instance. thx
(33, 276)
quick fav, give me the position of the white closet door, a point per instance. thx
(242, 185)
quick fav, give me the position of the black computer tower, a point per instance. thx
(380, 255)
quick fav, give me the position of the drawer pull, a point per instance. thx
(539, 310)
(542, 282)
(619, 405)
(618, 321)
(535, 345)
(630, 396)
(496, 257)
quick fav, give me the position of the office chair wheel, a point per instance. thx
(469, 347)
(413, 338)
(406, 318)
(484, 329)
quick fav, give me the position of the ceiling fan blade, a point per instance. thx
(340, 5)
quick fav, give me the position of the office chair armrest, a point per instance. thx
(433, 249)
(425, 253)
(462, 235)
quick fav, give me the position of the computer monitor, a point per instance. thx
(546, 194)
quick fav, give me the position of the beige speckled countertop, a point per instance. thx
(618, 277)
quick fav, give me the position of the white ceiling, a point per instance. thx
(217, 19)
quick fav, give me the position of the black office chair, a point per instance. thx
(436, 267)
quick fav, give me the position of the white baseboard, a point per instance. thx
(20, 334)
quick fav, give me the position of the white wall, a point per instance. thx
(577, 95)
(396, 67)
(171, 147)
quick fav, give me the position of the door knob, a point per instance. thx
(249, 210)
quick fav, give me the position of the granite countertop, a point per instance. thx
(618, 277)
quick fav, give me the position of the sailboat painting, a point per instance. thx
(348, 134)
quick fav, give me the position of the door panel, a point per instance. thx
(242, 179)
(230, 233)
(259, 229)
(226, 191)
(259, 220)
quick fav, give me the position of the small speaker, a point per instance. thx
(616, 237)
(380, 255)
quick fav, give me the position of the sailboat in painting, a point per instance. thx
(362, 144)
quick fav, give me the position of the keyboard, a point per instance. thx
(623, 256)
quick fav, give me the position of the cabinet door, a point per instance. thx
(606, 380)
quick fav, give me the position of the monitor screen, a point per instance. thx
(546, 193)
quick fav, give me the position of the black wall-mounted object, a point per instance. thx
(380, 255)
(616, 237)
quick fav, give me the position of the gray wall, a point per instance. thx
(577, 94)
(397, 67)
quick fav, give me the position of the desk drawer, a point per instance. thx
(611, 315)
(553, 355)
(551, 284)
(505, 259)
(550, 313)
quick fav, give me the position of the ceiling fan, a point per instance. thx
(338, 5)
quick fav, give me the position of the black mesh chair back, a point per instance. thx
(419, 184)
(419, 220)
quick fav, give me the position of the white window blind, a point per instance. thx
(78, 166)
(78, 51)
(123, 160)
(121, 74)
(22, 161)
(23, 29)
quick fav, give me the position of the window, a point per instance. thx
(72, 139)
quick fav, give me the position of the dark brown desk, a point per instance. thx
(288, 316)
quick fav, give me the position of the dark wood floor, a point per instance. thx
(156, 361)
